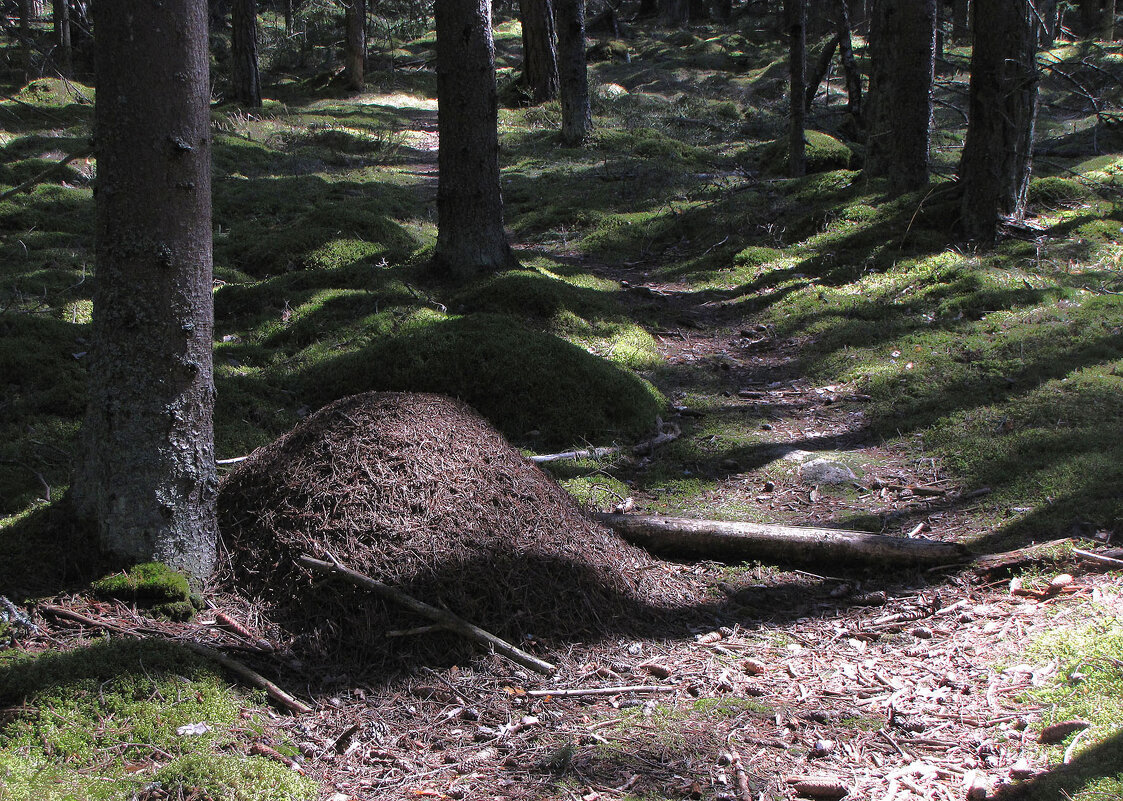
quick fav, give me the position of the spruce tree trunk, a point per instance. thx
(822, 67)
(1047, 32)
(899, 107)
(355, 18)
(577, 115)
(676, 13)
(795, 21)
(648, 8)
(849, 65)
(995, 168)
(24, 11)
(61, 20)
(146, 478)
(961, 20)
(243, 53)
(540, 53)
(470, 235)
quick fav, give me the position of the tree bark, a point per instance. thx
(961, 20)
(577, 114)
(355, 43)
(540, 53)
(676, 13)
(24, 11)
(997, 154)
(738, 542)
(61, 20)
(146, 478)
(899, 108)
(822, 67)
(243, 52)
(470, 235)
(849, 65)
(795, 20)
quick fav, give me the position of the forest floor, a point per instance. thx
(974, 396)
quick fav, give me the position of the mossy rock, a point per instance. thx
(1054, 190)
(824, 153)
(533, 386)
(151, 584)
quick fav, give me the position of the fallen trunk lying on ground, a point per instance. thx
(714, 539)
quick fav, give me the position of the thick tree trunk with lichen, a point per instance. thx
(243, 53)
(355, 17)
(995, 168)
(577, 115)
(899, 107)
(540, 50)
(470, 235)
(146, 479)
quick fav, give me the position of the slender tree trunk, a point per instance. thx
(355, 18)
(540, 53)
(470, 235)
(822, 67)
(849, 65)
(243, 53)
(961, 20)
(1047, 30)
(995, 168)
(1107, 29)
(795, 20)
(288, 16)
(676, 13)
(146, 478)
(648, 8)
(61, 15)
(577, 116)
(25, 37)
(899, 112)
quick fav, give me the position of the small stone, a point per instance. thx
(825, 471)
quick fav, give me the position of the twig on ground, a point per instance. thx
(441, 616)
(1107, 561)
(577, 692)
(36, 179)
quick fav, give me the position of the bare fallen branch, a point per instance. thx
(1107, 561)
(39, 177)
(715, 539)
(442, 617)
(577, 692)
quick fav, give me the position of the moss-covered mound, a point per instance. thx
(824, 153)
(533, 386)
(420, 492)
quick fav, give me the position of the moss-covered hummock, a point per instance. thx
(151, 584)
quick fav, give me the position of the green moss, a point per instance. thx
(823, 153)
(93, 720)
(522, 380)
(1052, 190)
(153, 584)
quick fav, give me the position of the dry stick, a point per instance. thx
(33, 181)
(233, 665)
(590, 453)
(1115, 564)
(715, 539)
(580, 691)
(442, 616)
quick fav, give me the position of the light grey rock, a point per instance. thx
(825, 471)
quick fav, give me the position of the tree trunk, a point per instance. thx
(540, 53)
(995, 168)
(849, 65)
(243, 53)
(676, 13)
(822, 67)
(61, 19)
(577, 115)
(740, 542)
(648, 8)
(961, 20)
(288, 15)
(899, 111)
(24, 11)
(795, 20)
(470, 235)
(1107, 28)
(146, 477)
(355, 49)
(1047, 28)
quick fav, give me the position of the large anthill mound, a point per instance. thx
(421, 492)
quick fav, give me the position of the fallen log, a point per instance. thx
(442, 617)
(715, 539)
